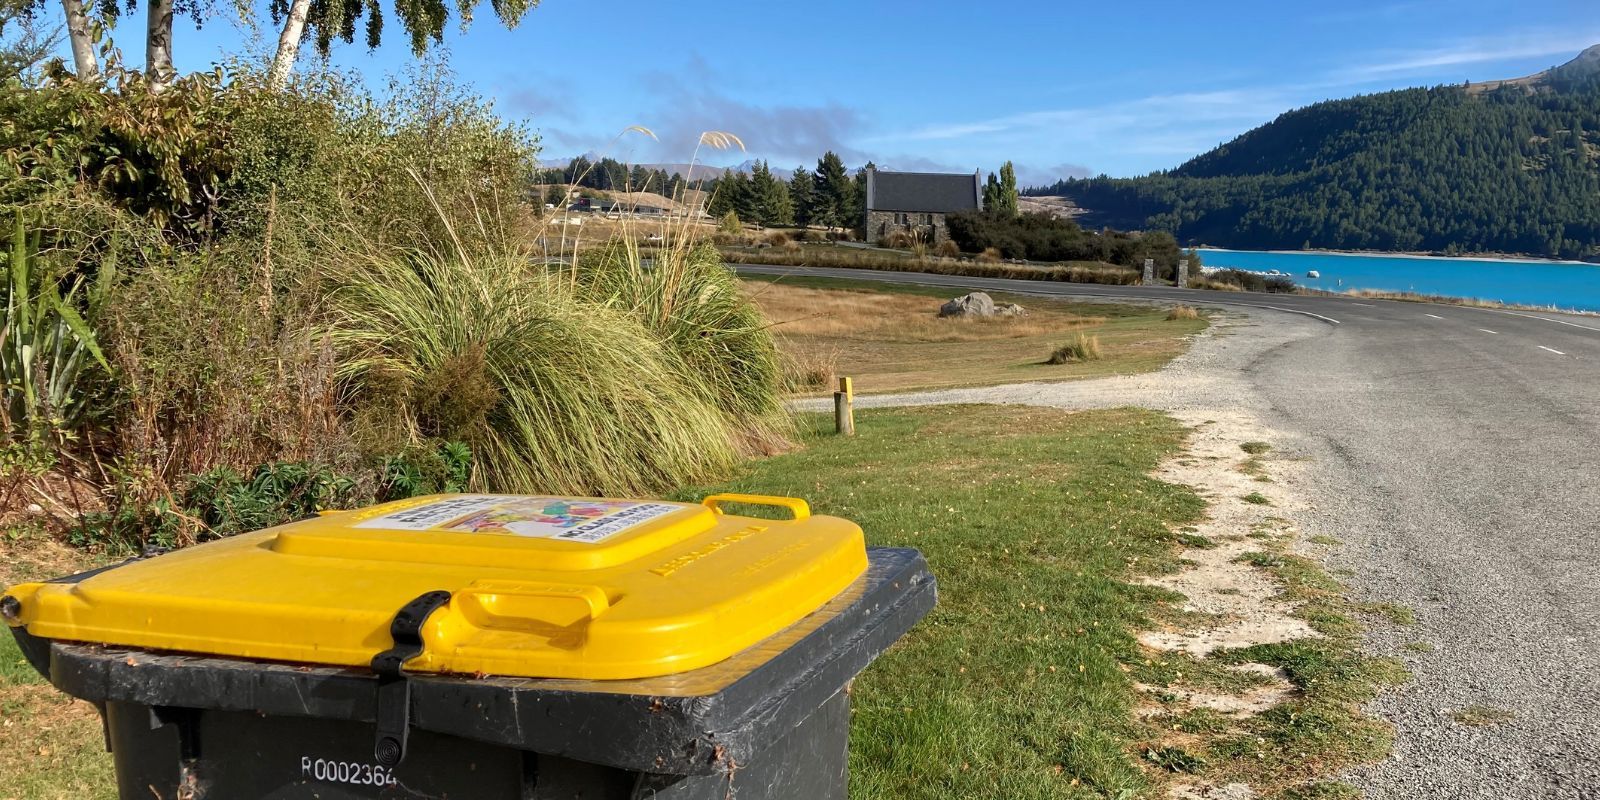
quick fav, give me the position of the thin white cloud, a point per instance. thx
(1169, 127)
(1156, 111)
(1557, 44)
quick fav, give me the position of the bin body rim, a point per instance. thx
(700, 722)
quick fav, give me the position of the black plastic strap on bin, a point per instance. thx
(394, 688)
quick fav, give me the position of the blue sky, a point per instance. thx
(1058, 87)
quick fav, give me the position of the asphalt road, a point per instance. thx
(1456, 453)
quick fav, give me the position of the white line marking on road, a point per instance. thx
(1557, 352)
(1433, 315)
(1486, 330)
(1544, 319)
(1298, 311)
(1363, 305)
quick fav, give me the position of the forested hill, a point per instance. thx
(1508, 166)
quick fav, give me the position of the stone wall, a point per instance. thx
(882, 223)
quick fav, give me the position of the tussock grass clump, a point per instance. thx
(1083, 348)
(1255, 448)
(554, 388)
(695, 306)
(1182, 312)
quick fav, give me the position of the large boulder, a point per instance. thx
(976, 304)
(979, 304)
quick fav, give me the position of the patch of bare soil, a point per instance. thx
(1237, 604)
(1243, 598)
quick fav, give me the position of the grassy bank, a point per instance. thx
(819, 255)
(888, 337)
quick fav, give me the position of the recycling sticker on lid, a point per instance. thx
(568, 519)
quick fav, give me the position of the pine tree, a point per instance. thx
(832, 192)
(722, 192)
(801, 195)
(744, 198)
(856, 209)
(771, 196)
(578, 171)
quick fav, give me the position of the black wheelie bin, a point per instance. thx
(484, 647)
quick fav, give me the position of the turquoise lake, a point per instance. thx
(1563, 284)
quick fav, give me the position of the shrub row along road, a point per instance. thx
(1458, 459)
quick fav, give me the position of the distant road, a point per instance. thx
(1460, 458)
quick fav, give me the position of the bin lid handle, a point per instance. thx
(393, 713)
(795, 505)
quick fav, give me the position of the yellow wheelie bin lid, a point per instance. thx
(538, 587)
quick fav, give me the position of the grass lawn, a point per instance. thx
(50, 745)
(889, 338)
(1034, 520)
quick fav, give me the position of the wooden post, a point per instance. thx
(844, 412)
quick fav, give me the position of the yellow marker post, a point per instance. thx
(844, 414)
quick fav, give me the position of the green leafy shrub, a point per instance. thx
(423, 469)
(161, 156)
(227, 503)
(1044, 237)
(216, 503)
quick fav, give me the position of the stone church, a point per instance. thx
(917, 203)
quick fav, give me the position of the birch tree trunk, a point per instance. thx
(288, 44)
(83, 58)
(158, 43)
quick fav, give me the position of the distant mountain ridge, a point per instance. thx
(1510, 166)
(1585, 66)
